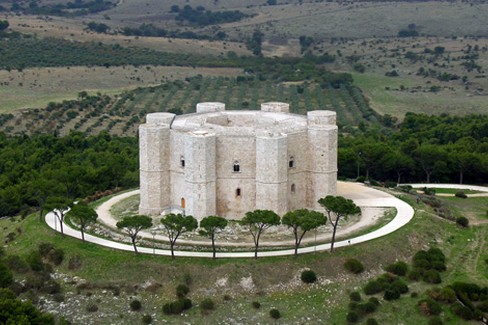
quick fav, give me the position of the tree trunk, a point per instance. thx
(172, 245)
(428, 177)
(333, 235)
(213, 246)
(399, 177)
(461, 177)
(61, 227)
(82, 234)
(134, 244)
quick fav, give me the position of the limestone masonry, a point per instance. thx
(218, 162)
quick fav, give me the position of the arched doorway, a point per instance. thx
(182, 202)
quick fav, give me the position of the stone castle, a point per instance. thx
(218, 162)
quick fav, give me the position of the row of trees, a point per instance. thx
(424, 149)
(300, 221)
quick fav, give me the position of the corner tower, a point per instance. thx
(322, 141)
(154, 143)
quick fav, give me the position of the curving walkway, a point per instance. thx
(362, 195)
(456, 187)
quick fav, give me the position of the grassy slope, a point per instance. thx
(275, 279)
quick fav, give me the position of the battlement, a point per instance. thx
(321, 118)
(209, 107)
(277, 107)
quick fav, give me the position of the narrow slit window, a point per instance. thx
(293, 188)
(291, 162)
(237, 167)
(238, 192)
(182, 161)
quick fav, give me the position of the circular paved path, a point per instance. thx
(362, 195)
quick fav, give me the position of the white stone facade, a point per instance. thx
(218, 162)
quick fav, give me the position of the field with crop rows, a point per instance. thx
(122, 114)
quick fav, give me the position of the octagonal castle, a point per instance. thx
(218, 162)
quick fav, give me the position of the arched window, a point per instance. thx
(238, 192)
(237, 167)
(293, 188)
(291, 162)
(182, 161)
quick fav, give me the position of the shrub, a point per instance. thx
(435, 321)
(366, 308)
(51, 287)
(227, 298)
(6, 276)
(308, 276)
(399, 286)
(135, 305)
(352, 317)
(372, 287)
(414, 275)
(355, 296)
(91, 307)
(275, 313)
(167, 308)
(207, 304)
(74, 262)
(17, 264)
(182, 290)
(374, 300)
(391, 294)
(187, 304)
(447, 295)
(256, 304)
(58, 297)
(35, 261)
(462, 311)
(461, 195)
(462, 221)
(45, 248)
(429, 307)
(432, 276)
(56, 256)
(398, 268)
(483, 306)
(353, 265)
(147, 319)
(371, 321)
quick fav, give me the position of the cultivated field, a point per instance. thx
(123, 113)
(35, 88)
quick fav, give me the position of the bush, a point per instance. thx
(187, 304)
(353, 265)
(256, 304)
(366, 308)
(34, 260)
(207, 304)
(147, 319)
(447, 295)
(355, 296)
(74, 262)
(275, 313)
(462, 221)
(135, 305)
(352, 317)
(6, 276)
(308, 276)
(398, 268)
(182, 290)
(461, 195)
(374, 300)
(45, 248)
(58, 297)
(56, 256)
(429, 307)
(91, 307)
(391, 294)
(371, 321)
(435, 321)
(17, 264)
(414, 275)
(399, 286)
(462, 311)
(373, 287)
(432, 276)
